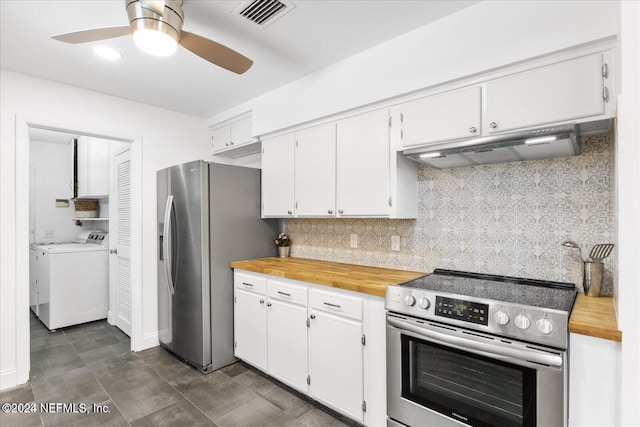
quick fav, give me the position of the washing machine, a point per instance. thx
(70, 281)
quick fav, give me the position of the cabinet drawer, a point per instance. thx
(250, 282)
(287, 292)
(338, 304)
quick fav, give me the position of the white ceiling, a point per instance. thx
(314, 34)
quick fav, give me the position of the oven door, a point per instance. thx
(444, 375)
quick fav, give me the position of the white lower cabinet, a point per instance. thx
(335, 362)
(287, 334)
(249, 317)
(312, 338)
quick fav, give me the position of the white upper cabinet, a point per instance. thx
(448, 116)
(568, 90)
(278, 166)
(363, 165)
(315, 171)
(92, 167)
(234, 137)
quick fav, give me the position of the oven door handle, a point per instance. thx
(478, 347)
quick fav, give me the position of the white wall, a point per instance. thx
(628, 183)
(161, 138)
(52, 179)
(485, 36)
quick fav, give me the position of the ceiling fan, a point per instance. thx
(156, 27)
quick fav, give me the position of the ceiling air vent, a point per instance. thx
(264, 12)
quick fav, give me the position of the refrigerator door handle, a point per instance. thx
(167, 244)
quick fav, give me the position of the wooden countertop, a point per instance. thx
(596, 317)
(359, 278)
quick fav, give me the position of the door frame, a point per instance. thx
(22, 171)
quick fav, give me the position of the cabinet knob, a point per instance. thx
(340, 211)
(473, 129)
(261, 301)
(290, 212)
(493, 125)
(226, 144)
(313, 316)
(329, 211)
(231, 143)
(268, 304)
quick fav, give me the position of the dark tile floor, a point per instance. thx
(91, 364)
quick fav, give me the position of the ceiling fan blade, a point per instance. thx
(92, 35)
(215, 53)
(156, 6)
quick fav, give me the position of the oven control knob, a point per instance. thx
(424, 303)
(409, 300)
(501, 317)
(522, 321)
(544, 325)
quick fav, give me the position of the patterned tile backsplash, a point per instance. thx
(507, 219)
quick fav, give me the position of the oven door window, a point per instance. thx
(476, 390)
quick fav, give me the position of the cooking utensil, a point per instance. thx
(572, 245)
(600, 251)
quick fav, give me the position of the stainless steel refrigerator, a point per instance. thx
(208, 216)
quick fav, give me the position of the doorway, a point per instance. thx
(26, 224)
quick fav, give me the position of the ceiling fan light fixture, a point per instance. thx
(155, 42)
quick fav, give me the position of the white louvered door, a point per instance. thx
(122, 257)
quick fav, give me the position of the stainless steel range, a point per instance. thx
(476, 349)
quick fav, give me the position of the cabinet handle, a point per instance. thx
(332, 305)
(329, 211)
(493, 125)
(284, 293)
(247, 284)
(473, 129)
(261, 301)
(289, 212)
(340, 211)
(313, 316)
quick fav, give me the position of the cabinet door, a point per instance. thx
(221, 138)
(335, 362)
(568, 90)
(92, 164)
(241, 131)
(250, 328)
(315, 174)
(278, 176)
(363, 165)
(287, 343)
(99, 167)
(443, 117)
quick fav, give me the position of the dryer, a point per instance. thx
(72, 281)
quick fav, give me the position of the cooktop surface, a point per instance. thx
(531, 292)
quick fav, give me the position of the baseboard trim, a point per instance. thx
(149, 340)
(8, 379)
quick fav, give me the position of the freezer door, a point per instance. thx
(183, 252)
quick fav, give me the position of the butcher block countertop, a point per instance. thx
(359, 278)
(595, 317)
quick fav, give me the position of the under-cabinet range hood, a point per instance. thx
(533, 144)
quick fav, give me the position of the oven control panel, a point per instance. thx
(459, 309)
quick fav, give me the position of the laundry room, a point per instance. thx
(71, 266)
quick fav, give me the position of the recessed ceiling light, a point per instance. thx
(108, 53)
